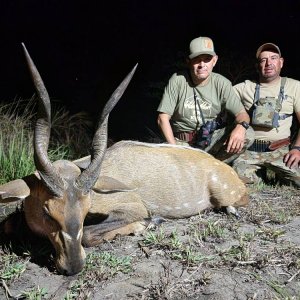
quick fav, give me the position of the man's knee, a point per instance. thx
(247, 173)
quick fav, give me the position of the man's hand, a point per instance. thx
(292, 159)
(236, 140)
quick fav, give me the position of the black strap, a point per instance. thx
(201, 112)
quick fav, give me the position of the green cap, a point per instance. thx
(201, 45)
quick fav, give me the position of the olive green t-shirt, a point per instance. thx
(179, 102)
(290, 104)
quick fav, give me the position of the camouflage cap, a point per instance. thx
(201, 45)
(268, 47)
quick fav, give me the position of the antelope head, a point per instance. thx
(60, 197)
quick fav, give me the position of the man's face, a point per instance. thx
(201, 67)
(269, 65)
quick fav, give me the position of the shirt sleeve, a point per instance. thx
(238, 88)
(297, 98)
(233, 101)
(170, 97)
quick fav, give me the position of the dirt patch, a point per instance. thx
(209, 256)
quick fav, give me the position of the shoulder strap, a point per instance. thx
(197, 102)
(280, 96)
(282, 84)
(256, 93)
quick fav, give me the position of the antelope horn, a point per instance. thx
(89, 176)
(48, 173)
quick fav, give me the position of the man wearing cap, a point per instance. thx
(192, 103)
(271, 103)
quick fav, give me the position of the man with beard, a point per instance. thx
(271, 103)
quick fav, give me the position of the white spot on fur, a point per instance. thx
(66, 236)
(168, 208)
(78, 235)
(186, 204)
(216, 163)
(154, 206)
(232, 173)
(177, 207)
(225, 186)
(232, 192)
(214, 178)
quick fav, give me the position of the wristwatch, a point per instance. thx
(295, 147)
(244, 124)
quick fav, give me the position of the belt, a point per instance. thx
(267, 146)
(186, 136)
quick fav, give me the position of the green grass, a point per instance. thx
(209, 228)
(174, 247)
(154, 238)
(98, 266)
(35, 293)
(70, 137)
(11, 267)
(16, 157)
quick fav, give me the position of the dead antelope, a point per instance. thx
(115, 190)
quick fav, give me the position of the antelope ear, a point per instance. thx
(14, 191)
(109, 184)
(83, 162)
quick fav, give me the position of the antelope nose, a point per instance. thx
(71, 268)
(71, 271)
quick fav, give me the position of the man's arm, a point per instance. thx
(292, 158)
(163, 121)
(237, 137)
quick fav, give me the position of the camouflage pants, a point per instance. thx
(253, 165)
(217, 148)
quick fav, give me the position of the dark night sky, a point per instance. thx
(83, 49)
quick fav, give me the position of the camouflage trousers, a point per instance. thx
(217, 147)
(253, 166)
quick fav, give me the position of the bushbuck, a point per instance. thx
(115, 190)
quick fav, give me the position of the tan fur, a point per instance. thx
(137, 181)
(132, 228)
(171, 177)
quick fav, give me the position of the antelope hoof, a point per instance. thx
(233, 211)
(154, 222)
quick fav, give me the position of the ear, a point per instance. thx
(83, 162)
(215, 59)
(14, 191)
(281, 61)
(109, 184)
